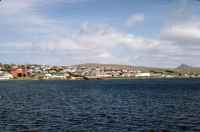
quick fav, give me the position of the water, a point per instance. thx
(100, 106)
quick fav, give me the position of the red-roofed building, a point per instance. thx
(18, 72)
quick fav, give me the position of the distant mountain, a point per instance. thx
(184, 66)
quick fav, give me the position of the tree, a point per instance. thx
(6, 67)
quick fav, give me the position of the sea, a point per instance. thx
(153, 105)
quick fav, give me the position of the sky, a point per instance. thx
(157, 33)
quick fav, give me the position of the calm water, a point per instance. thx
(100, 106)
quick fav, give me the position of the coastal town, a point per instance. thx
(92, 72)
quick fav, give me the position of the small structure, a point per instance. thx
(147, 74)
(5, 76)
(57, 76)
(18, 72)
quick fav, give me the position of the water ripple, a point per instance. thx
(100, 106)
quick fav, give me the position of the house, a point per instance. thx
(169, 76)
(5, 76)
(56, 76)
(18, 72)
(147, 74)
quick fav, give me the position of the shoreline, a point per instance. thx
(104, 79)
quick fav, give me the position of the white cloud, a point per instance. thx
(14, 7)
(188, 32)
(53, 41)
(105, 55)
(135, 19)
(97, 38)
(105, 36)
(91, 43)
(184, 37)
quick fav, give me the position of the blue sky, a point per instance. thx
(162, 33)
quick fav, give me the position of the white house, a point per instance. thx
(147, 74)
(57, 76)
(5, 76)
